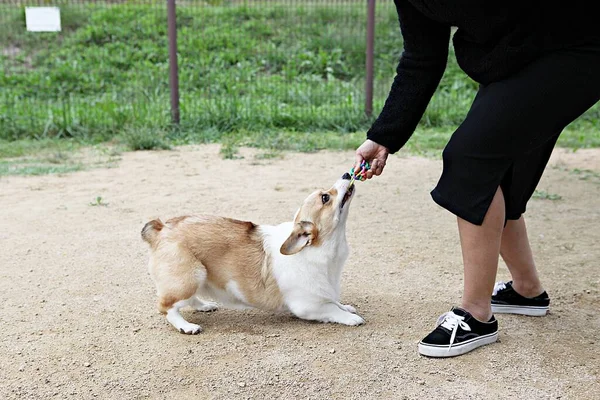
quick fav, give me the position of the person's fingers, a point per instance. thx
(381, 165)
(358, 159)
(375, 163)
(381, 162)
(374, 166)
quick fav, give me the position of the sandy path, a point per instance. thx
(78, 317)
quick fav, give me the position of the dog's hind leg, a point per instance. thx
(177, 320)
(176, 292)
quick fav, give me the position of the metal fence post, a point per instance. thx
(173, 69)
(370, 56)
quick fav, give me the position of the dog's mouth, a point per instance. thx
(347, 195)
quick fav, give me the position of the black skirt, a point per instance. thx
(510, 131)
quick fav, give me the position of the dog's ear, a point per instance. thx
(303, 234)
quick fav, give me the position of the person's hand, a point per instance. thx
(375, 154)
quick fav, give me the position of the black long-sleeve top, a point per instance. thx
(494, 39)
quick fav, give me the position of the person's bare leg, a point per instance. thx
(517, 255)
(481, 249)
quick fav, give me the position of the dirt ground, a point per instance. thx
(78, 317)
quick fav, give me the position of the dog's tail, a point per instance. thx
(151, 230)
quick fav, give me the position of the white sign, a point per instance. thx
(42, 19)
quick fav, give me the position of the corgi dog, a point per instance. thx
(199, 261)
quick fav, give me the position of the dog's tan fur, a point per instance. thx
(321, 215)
(224, 249)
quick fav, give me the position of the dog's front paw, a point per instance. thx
(190, 329)
(349, 308)
(356, 320)
(350, 320)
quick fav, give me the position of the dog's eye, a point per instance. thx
(325, 198)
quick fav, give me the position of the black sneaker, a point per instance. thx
(506, 301)
(457, 333)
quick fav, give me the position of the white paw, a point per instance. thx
(345, 319)
(349, 308)
(207, 306)
(353, 320)
(190, 329)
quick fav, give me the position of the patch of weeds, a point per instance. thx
(543, 195)
(230, 152)
(59, 157)
(582, 174)
(230, 149)
(25, 147)
(111, 162)
(268, 155)
(141, 139)
(109, 151)
(25, 169)
(43, 157)
(98, 202)
(586, 174)
(106, 155)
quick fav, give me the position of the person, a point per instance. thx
(537, 64)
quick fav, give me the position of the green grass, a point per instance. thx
(26, 147)
(582, 174)
(543, 195)
(34, 167)
(241, 68)
(586, 175)
(144, 139)
(56, 156)
(98, 202)
(281, 77)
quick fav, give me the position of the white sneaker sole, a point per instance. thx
(532, 311)
(458, 349)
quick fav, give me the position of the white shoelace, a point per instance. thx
(451, 322)
(498, 287)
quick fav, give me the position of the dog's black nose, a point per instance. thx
(346, 176)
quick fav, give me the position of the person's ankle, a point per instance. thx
(482, 313)
(527, 289)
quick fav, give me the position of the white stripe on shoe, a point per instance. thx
(432, 350)
(533, 311)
